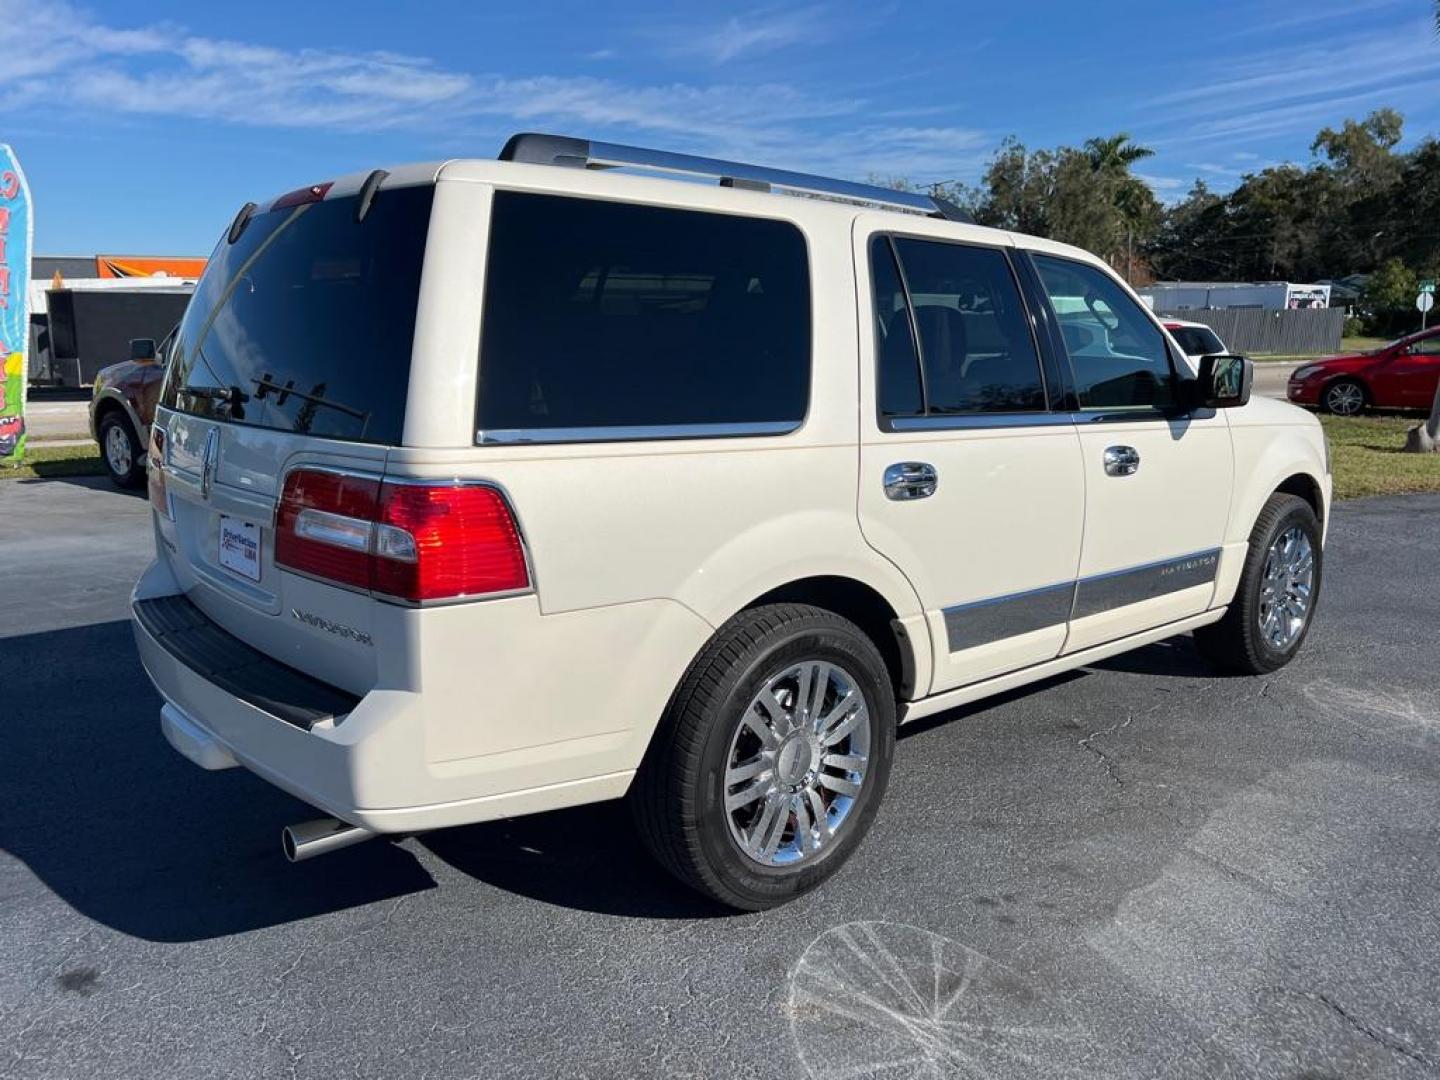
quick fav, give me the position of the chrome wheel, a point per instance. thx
(796, 763)
(1286, 588)
(1345, 399)
(118, 454)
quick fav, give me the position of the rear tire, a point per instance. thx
(1264, 626)
(121, 451)
(772, 757)
(1345, 397)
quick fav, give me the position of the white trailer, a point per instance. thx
(1210, 295)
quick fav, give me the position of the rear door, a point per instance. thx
(969, 482)
(294, 350)
(1157, 480)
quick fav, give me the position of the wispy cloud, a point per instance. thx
(1293, 88)
(752, 34)
(1162, 185)
(73, 63)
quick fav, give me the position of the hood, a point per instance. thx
(1262, 411)
(1344, 362)
(123, 372)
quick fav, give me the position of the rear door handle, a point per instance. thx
(908, 480)
(1121, 460)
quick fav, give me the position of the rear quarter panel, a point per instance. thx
(638, 550)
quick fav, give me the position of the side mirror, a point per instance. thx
(1224, 381)
(142, 348)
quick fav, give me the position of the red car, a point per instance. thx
(1400, 375)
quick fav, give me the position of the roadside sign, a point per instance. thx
(15, 236)
(1427, 286)
(1424, 302)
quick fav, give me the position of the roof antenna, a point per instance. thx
(367, 193)
(241, 220)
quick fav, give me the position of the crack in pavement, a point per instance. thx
(1386, 1039)
(1105, 759)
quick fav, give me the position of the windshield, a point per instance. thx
(306, 322)
(1197, 340)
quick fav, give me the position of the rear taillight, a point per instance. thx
(324, 524)
(155, 474)
(416, 542)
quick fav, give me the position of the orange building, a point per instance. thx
(129, 266)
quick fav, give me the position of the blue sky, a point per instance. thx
(144, 126)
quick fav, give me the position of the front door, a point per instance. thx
(1157, 482)
(1408, 380)
(969, 482)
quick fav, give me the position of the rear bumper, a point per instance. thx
(369, 767)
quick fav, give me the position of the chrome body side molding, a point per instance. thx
(982, 622)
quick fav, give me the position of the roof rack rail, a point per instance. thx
(537, 149)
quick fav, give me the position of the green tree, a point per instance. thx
(1389, 296)
(1086, 196)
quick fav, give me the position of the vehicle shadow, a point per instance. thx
(110, 819)
(1176, 657)
(85, 480)
(589, 858)
(117, 825)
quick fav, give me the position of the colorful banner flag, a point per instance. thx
(17, 228)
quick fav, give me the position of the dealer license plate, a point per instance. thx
(240, 547)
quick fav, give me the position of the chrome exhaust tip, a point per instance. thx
(312, 838)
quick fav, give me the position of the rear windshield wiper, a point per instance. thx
(229, 395)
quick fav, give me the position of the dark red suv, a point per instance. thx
(122, 405)
(1400, 375)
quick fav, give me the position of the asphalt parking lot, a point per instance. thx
(1141, 869)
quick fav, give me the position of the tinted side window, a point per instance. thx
(1118, 353)
(605, 315)
(975, 341)
(899, 391)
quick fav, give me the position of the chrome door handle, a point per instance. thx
(910, 480)
(1121, 460)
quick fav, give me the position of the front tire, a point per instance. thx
(121, 451)
(1344, 397)
(772, 757)
(1275, 601)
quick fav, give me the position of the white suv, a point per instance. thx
(491, 487)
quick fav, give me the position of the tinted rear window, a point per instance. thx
(308, 319)
(604, 315)
(1197, 340)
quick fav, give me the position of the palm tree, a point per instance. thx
(1118, 153)
(1110, 159)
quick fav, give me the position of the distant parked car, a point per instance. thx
(122, 405)
(1195, 338)
(1400, 375)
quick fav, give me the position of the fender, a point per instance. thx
(103, 401)
(1267, 455)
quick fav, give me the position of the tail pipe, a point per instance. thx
(312, 838)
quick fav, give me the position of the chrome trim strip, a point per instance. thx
(984, 621)
(981, 622)
(636, 433)
(971, 421)
(1105, 592)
